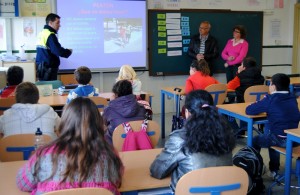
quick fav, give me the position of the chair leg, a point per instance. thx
(281, 178)
(297, 173)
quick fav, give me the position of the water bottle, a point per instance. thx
(22, 53)
(39, 140)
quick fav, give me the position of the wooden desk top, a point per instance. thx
(60, 100)
(171, 89)
(136, 175)
(295, 132)
(294, 80)
(137, 171)
(240, 108)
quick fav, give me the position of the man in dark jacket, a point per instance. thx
(204, 46)
(49, 49)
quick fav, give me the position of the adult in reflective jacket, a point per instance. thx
(49, 49)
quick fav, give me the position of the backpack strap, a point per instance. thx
(127, 127)
(144, 125)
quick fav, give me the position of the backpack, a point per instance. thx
(136, 140)
(251, 161)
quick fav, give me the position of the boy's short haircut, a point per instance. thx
(27, 93)
(83, 75)
(14, 75)
(281, 82)
(51, 18)
(249, 62)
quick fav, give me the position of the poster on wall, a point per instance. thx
(7, 8)
(29, 27)
(35, 7)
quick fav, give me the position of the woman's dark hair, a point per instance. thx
(122, 88)
(201, 66)
(242, 30)
(207, 131)
(83, 75)
(27, 93)
(81, 138)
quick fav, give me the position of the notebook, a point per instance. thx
(45, 90)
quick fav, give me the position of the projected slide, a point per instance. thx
(104, 34)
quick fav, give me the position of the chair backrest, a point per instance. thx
(255, 93)
(18, 147)
(81, 191)
(218, 92)
(100, 102)
(229, 180)
(3, 80)
(119, 135)
(6, 103)
(55, 84)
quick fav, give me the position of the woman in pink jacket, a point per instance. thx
(235, 51)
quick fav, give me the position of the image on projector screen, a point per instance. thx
(122, 35)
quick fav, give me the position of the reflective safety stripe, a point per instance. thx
(43, 37)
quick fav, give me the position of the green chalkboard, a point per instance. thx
(166, 60)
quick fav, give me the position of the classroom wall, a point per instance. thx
(277, 47)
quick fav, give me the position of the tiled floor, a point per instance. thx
(277, 190)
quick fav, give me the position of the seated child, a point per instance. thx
(123, 108)
(78, 158)
(205, 141)
(83, 76)
(248, 74)
(282, 113)
(199, 76)
(14, 77)
(26, 115)
(127, 73)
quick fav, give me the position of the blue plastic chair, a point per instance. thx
(119, 135)
(6, 103)
(18, 147)
(214, 180)
(295, 154)
(218, 92)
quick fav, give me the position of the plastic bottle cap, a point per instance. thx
(38, 132)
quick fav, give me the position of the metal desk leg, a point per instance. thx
(249, 132)
(288, 164)
(291, 88)
(162, 113)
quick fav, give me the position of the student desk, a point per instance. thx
(238, 111)
(61, 100)
(170, 92)
(136, 175)
(293, 135)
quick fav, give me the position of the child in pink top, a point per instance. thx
(79, 157)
